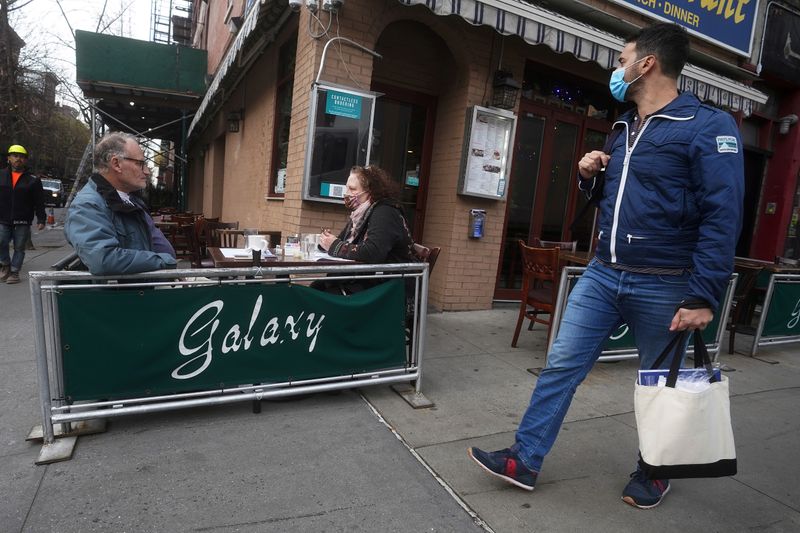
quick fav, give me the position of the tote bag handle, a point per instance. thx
(675, 347)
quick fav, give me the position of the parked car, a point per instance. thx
(53, 192)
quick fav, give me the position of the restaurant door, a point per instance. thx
(543, 197)
(402, 137)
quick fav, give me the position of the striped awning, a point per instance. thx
(540, 26)
(248, 25)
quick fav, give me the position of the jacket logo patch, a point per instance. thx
(727, 144)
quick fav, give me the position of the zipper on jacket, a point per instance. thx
(623, 180)
(631, 237)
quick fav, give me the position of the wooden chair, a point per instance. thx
(196, 256)
(229, 238)
(213, 232)
(202, 228)
(274, 237)
(539, 287)
(427, 255)
(744, 301)
(567, 246)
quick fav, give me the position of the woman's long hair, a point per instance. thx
(377, 183)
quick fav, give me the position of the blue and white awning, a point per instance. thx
(537, 25)
(248, 25)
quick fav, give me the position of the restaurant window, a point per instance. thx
(560, 89)
(283, 116)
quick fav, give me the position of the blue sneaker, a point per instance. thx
(506, 465)
(644, 493)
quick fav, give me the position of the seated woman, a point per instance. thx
(376, 232)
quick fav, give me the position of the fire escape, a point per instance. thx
(172, 22)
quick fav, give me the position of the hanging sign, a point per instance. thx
(343, 104)
(727, 23)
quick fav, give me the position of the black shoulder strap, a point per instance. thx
(600, 180)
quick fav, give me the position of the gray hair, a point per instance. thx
(112, 144)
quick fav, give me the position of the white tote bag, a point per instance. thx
(685, 434)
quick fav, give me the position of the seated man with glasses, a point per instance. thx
(108, 223)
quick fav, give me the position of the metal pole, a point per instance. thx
(423, 319)
(94, 129)
(41, 359)
(182, 199)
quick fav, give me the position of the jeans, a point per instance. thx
(19, 233)
(602, 300)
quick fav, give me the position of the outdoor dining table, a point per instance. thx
(575, 258)
(222, 261)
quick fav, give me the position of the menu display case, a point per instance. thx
(486, 154)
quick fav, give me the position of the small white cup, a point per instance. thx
(257, 242)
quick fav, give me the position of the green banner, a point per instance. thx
(122, 343)
(783, 315)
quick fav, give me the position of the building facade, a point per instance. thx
(412, 85)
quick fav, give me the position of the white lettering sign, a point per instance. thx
(198, 339)
(795, 316)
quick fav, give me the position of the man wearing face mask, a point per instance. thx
(669, 219)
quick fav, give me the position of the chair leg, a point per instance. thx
(521, 316)
(731, 337)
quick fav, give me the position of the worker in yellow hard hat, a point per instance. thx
(17, 149)
(21, 197)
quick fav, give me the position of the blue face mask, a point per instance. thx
(617, 84)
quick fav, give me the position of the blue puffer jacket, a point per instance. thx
(113, 238)
(674, 199)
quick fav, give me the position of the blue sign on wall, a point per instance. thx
(728, 23)
(343, 104)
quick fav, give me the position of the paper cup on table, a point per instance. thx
(257, 242)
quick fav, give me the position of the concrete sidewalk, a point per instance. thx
(328, 462)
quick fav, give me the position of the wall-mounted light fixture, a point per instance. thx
(332, 6)
(235, 24)
(234, 117)
(504, 95)
(786, 122)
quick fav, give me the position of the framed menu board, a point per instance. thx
(339, 137)
(486, 155)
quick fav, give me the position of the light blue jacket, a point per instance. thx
(112, 238)
(673, 198)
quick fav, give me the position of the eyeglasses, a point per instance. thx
(142, 162)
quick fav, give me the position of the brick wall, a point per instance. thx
(444, 57)
(219, 37)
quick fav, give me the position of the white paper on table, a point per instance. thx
(236, 253)
(244, 253)
(323, 256)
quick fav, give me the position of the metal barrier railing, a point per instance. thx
(90, 333)
(779, 322)
(621, 345)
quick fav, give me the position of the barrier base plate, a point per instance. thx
(60, 450)
(415, 399)
(84, 427)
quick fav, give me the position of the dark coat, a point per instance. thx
(19, 204)
(383, 237)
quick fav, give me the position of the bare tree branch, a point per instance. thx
(102, 14)
(58, 3)
(13, 6)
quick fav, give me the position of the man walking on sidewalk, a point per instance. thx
(21, 196)
(670, 215)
